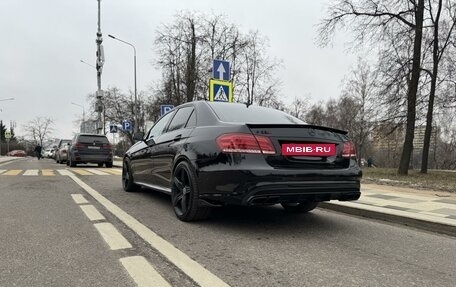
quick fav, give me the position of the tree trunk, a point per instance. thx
(430, 111)
(412, 90)
(191, 66)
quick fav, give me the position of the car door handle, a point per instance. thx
(177, 138)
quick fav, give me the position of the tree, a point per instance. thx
(361, 92)
(187, 47)
(39, 129)
(370, 19)
(438, 49)
(118, 106)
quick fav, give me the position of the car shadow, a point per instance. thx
(256, 218)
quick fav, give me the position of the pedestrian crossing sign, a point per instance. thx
(220, 91)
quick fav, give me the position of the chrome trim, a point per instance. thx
(156, 187)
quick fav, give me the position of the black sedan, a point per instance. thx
(207, 154)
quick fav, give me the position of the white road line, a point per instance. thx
(113, 237)
(193, 269)
(2, 171)
(96, 171)
(79, 198)
(64, 172)
(142, 272)
(32, 172)
(92, 213)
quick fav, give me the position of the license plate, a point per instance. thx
(309, 149)
(93, 147)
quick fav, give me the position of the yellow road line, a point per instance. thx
(13, 172)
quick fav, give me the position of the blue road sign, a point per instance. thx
(164, 109)
(127, 126)
(113, 129)
(220, 91)
(221, 70)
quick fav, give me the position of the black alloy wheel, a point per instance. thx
(185, 193)
(300, 207)
(127, 178)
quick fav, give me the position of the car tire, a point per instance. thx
(100, 165)
(185, 194)
(71, 162)
(108, 164)
(128, 183)
(57, 159)
(68, 163)
(300, 207)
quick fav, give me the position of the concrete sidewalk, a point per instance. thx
(430, 210)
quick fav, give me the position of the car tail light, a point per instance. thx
(349, 150)
(78, 146)
(245, 143)
(106, 146)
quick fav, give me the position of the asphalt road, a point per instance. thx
(48, 241)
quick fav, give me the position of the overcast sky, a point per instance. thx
(42, 43)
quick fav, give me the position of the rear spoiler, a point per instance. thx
(297, 126)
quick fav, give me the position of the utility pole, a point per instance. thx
(99, 66)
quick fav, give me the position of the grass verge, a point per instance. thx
(433, 180)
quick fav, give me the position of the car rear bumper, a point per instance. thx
(92, 158)
(278, 186)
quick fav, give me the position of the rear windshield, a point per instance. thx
(241, 113)
(92, 139)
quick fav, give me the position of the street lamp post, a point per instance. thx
(82, 61)
(83, 117)
(1, 123)
(135, 114)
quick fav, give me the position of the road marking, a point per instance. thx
(79, 198)
(65, 172)
(47, 172)
(142, 272)
(114, 171)
(31, 172)
(193, 269)
(13, 172)
(92, 213)
(81, 172)
(96, 171)
(2, 171)
(113, 237)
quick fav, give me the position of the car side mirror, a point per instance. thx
(138, 136)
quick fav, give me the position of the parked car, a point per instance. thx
(17, 152)
(207, 154)
(47, 153)
(61, 152)
(90, 148)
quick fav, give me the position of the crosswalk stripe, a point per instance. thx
(64, 172)
(96, 171)
(81, 171)
(13, 172)
(53, 172)
(116, 171)
(47, 172)
(31, 172)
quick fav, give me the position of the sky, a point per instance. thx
(43, 43)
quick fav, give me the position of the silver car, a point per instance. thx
(61, 153)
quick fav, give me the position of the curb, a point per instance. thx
(433, 226)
